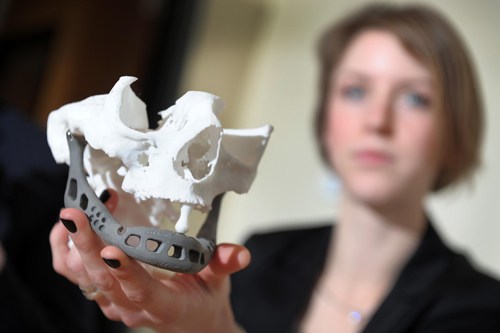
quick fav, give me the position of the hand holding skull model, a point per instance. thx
(138, 295)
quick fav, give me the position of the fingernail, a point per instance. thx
(113, 263)
(70, 225)
(105, 195)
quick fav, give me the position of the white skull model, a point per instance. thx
(188, 159)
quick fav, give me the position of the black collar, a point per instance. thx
(415, 287)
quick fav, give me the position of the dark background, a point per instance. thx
(53, 52)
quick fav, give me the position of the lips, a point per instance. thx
(373, 157)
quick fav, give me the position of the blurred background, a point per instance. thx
(259, 56)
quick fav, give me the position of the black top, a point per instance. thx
(33, 297)
(438, 290)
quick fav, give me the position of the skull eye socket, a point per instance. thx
(143, 159)
(197, 162)
(196, 157)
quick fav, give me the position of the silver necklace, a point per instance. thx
(353, 315)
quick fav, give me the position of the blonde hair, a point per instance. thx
(428, 37)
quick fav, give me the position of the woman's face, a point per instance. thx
(383, 126)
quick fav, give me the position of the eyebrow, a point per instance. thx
(366, 78)
(353, 73)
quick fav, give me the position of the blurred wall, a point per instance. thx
(259, 56)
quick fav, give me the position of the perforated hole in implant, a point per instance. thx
(152, 245)
(84, 202)
(133, 240)
(194, 256)
(73, 189)
(174, 251)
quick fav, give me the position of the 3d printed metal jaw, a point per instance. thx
(161, 248)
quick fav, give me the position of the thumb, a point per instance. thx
(227, 259)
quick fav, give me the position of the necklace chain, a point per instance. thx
(354, 316)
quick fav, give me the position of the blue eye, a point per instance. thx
(416, 100)
(354, 93)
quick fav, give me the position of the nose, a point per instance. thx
(378, 116)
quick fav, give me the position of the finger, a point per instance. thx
(59, 247)
(137, 283)
(109, 197)
(67, 261)
(108, 308)
(63, 261)
(89, 246)
(72, 259)
(86, 262)
(227, 259)
(85, 240)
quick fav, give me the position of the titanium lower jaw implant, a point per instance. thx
(161, 248)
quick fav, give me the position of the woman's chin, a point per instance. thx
(374, 193)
